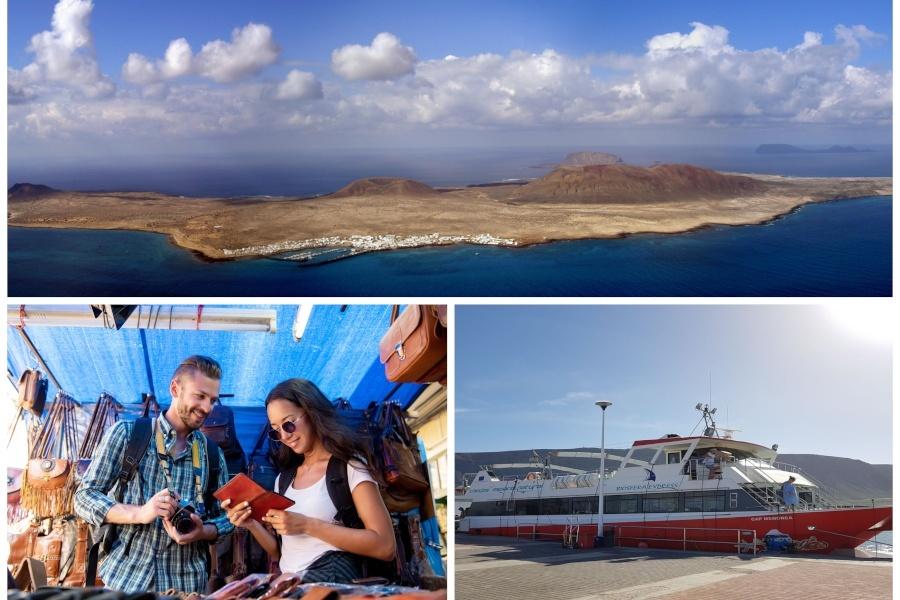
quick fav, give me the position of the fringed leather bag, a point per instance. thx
(48, 484)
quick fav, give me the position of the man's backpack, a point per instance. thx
(219, 426)
(135, 450)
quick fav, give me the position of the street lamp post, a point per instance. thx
(603, 404)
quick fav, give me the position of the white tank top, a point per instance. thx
(300, 551)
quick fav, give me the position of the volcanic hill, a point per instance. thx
(384, 186)
(27, 191)
(626, 184)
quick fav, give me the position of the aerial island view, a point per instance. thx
(383, 156)
(600, 199)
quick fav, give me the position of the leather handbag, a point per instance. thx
(21, 545)
(401, 463)
(48, 484)
(48, 473)
(401, 468)
(33, 391)
(48, 550)
(414, 349)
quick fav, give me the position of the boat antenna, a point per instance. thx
(709, 419)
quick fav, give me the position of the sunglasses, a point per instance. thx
(288, 427)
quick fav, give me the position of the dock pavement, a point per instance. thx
(501, 568)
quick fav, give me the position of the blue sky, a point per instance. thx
(809, 378)
(278, 76)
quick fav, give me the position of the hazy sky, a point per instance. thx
(809, 378)
(150, 80)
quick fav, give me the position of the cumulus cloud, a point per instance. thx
(704, 39)
(65, 56)
(252, 48)
(385, 59)
(694, 78)
(299, 85)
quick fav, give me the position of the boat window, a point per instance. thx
(623, 504)
(528, 507)
(704, 501)
(585, 505)
(556, 506)
(673, 458)
(733, 500)
(654, 503)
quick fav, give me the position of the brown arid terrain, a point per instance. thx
(594, 201)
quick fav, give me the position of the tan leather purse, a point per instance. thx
(48, 473)
(414, 349)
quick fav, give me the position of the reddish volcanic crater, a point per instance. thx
(617, 183)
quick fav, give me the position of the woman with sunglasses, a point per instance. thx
(309, 540)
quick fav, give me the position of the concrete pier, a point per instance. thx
(500, 568)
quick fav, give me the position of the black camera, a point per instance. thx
(182, 518)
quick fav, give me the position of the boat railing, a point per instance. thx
(782, 466)
(744, 541)
(529, 531)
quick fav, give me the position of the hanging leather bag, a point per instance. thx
(414, 349)
(48, 483)
(402, 467)
(33, 391)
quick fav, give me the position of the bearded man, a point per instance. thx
(153, 551)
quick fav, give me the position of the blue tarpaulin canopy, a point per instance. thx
(338, 351)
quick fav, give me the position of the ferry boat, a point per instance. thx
(708, 492)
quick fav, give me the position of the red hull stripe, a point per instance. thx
(832, 530)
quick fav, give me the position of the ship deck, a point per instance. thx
(499, 568)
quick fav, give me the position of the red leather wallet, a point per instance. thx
(243, 489)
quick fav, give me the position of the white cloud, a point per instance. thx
(704, 39)
(251, 49)
(64, 56)
(693, 79)
(19, 87)
(138, 69)
(299, 85)
(178, 60)
(385, 59)
(569, 399)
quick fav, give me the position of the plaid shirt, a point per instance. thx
(145, 557)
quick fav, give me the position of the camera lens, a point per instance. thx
(182, 520)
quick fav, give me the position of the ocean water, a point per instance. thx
(840, 248)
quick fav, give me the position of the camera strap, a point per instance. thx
(163, 457)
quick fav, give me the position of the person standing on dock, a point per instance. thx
(789, 494)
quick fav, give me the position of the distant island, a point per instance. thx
(788, 149)
(383, 213)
